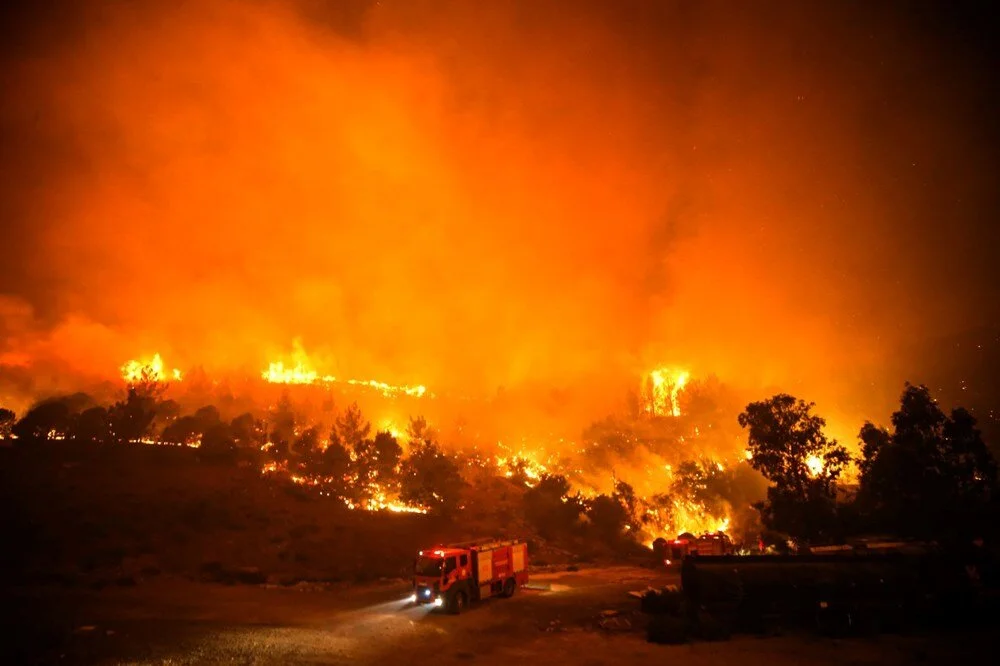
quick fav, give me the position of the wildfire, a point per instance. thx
(391, 428)
(277, 373)
(661, 390)
(389, 390)
(301, 371)
(524, 461)
(148, 370)
(682, 516)
(378, 500)
(382, 503)
(815, 465)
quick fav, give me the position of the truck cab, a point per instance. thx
(438, 573)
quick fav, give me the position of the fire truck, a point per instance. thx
(710, 543)
(455, 575)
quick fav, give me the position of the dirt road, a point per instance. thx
(174, 622)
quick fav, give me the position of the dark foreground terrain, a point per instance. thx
(581, 618)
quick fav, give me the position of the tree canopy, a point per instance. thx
(931, 475)
(786, 441)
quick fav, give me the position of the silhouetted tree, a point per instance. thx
(351, 427)
(47, 418)
(307, 446)
(248, 432)
(335, 463)
(607, 517)
(418, 432)
(624, 494)
(217, 442)
(281, 427)
(7, 420)
(549, 506)
(167, 411)
(132, 417)
(931, 476)
(208, 415)
(377, 461)
(92, 425)
(430, 478)
(783, 437)
(185, 430)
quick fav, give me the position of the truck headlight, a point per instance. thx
(412, 598)
(439, 601)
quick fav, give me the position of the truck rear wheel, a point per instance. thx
(508, 587)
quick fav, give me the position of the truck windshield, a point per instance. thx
(428, 566)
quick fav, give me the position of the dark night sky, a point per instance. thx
(793, 195)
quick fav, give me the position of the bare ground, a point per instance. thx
(183, 622)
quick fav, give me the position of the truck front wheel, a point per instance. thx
(508, 587)
(458, 602)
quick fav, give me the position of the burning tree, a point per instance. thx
(419, 432)
(351, 428)
(787, 445)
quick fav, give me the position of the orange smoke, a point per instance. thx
(481, 198)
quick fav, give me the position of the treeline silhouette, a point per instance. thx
(931, 476)
(349, 461)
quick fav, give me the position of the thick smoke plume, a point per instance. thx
(482, 195)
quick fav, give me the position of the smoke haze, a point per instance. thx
(481, 195)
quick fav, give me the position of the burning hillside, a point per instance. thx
(667, 468)
(578, 261)
(664, 475)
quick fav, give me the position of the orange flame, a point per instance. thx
(301, 371)
(152, 370)
(661, 390)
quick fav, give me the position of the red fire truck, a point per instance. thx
(452, 576)
(671, 553)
